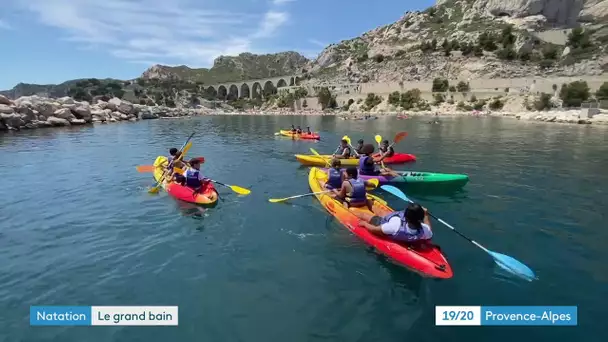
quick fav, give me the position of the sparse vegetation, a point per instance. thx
(325, 98)
(440, 85)
(379, 58)
(372, 100)
(574, 94)
(496, 104)
(463, 107)
(602, 92)
(543, 102)
(463, 87)
(439, 99)
(479, 105)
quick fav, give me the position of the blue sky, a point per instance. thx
(50, 41)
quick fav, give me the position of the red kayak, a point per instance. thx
(312, 136)
(398, 158)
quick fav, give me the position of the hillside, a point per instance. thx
(245, 66)
(465, 39)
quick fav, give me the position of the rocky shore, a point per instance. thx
(31, 112)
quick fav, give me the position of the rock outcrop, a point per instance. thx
(30, 112)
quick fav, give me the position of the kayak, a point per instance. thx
(424, 258)
(421, 178)
(208, 197)
(313, 160)
(313, 136)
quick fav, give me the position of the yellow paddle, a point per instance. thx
(318, 155)
(351, 146)
(374, 182)
(239, 190)
(184, 149)
(378, 139)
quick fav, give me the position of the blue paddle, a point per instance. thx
(506, 262)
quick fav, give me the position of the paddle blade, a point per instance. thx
(400, 137)
(239, 190)
(374, 182)
(145, 168)
(396, 192)
(314, 151)
(185, 150)
(347, 139)
(378, 138)
(277, 200)
(513, 266)
(154, 190)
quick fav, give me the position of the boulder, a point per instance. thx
(4, 109)
(55, 121)
(82, 111)
(27, 112)
(115, 115)
(63, 113)
(78, 122)
(122, 106)
(5, 100)
(66, 100)
(13, 120)
(46, 108)
(147, 115)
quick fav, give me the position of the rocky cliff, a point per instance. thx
(245, 66)
(464, 39)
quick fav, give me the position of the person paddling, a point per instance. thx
(343, 151)
(353, 192)
(293, 129)
(299, 130)
(334, 175)
(386, 151)
(367, 164)
(359, 148)
(194, 177)
(308, 130)
(410, 225)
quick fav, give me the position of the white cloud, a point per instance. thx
(280, 2)
(170, 32)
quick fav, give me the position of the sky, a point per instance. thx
(51, 41)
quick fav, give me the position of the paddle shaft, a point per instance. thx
(161, 179)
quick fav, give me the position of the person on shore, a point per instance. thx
(352, 192)
(194, 177)
(367, 164)
(386, 150)
(359, 148)
(299, 130)
(410, 225)
(343, 151)
(293, 129)
(334, 175)
(308, 130)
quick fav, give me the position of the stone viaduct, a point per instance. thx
(250, 89)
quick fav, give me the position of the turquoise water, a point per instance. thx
(77, 227)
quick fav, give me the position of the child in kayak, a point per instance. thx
(194, 177)
(343, 151)
(386, 151)
(308, 130)
(359, 148)
(367, 164)
(353, 192)
(411, 225)
(334, 175)
(299, 130)
(293, 129)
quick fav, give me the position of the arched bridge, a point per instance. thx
(251, 89)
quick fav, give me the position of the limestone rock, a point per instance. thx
(4, 109)
(122, 106)
(66, 100)
(5, 101)
(594, 11)
(13, 120)
(559, 12)
(63, 113)
(78, 122)
(82, 111)
(46, 108)
(27, 112)
(55, 121)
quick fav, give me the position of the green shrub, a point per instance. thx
(543, 102)
(372, 100)
(602, 92)
(439, 99)
(479, 104)
(440, 85)
(473, 99)
(579, 38)
(496, 104)
(394, 98)
(452, 89)
(324, 96)
(506, 53)
(549, 52)
(574, 94)
(379, 58)
(463, 87)
(410, 98)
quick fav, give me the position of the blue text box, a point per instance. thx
(529, 315)
(60, 315)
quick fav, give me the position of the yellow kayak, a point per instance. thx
(313, 136)
(313, 160)
(207, 197)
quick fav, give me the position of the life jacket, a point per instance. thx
(299, 131)
(334, 180)
(365, 168)
(192, 180)
(384, 149)
(341, 151)
(359, 194)
(405, 233)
